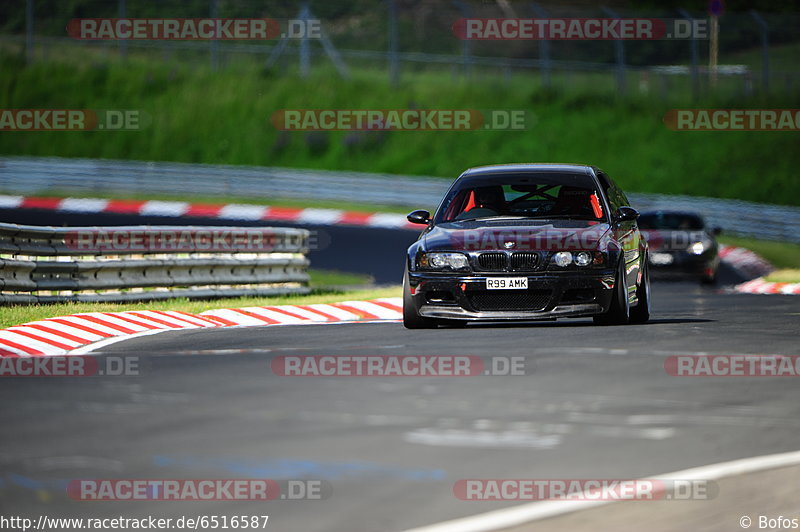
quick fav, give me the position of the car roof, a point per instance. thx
(530, 168)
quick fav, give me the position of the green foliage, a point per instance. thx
(224, 118)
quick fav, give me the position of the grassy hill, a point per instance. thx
(223, 117)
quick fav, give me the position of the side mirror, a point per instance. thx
(419, 217)
(716, 231)
(626, 214)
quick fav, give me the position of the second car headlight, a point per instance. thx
(699, 247)
(444, 261)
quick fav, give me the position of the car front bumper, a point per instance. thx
(681, 263)
(549, 295)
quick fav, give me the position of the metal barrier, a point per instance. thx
(146, 263)
(30, 175)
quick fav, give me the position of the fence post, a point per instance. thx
(122, 43)
(214, 8)
(305, 49)
(764, 48)
(695, 72)
(466, 44)
(394, 67)
(29, 30)
(544, 47)
(619, 54)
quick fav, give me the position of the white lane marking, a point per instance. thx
(83, 205)
(387, 220)
(320, 216)
(10, 202)
(507, 439)
(242, 212)
(527, 513)
(164, 208)
(650, 433)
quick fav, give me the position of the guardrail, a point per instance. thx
(21, 175)
(147, 263)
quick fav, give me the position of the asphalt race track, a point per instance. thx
(596, 402)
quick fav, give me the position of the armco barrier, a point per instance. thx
(143, 263)
(88, 177)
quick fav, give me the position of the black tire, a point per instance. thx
(619, 312)
(641, 312)
(709, 280)
(411, 319)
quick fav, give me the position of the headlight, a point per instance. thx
(563, 258)
(443, 261)
(698, 248)
(583, 258)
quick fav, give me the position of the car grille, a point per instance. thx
(524, 261)
(494, 262)
(507, 300)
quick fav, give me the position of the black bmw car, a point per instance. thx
(527, 242)
(681, 245)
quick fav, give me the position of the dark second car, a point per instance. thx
(527, 242)
(681, 245)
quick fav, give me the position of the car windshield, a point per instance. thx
(670, 221)
(531, 195)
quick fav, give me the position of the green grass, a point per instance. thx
(15, 315)
(779, 254)
(785, 276)
(331, 278)
(200, 116)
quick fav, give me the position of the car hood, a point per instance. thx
(673, 240)
(516, 235)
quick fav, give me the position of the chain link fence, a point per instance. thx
(404, 36)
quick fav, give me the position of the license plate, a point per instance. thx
(507, 283)
(661, 259)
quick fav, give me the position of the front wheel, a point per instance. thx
(641, 312)
(411, 318)
(619, 312)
